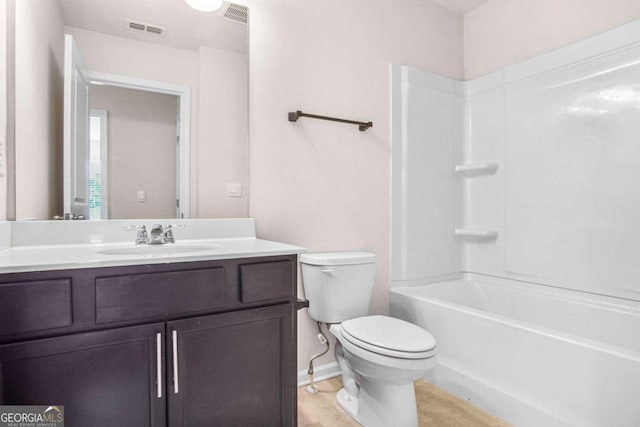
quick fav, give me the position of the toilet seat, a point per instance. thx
(389, 336)
(377, 363)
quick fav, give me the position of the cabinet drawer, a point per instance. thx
(266, 281)
(144, 296)
(35, 306)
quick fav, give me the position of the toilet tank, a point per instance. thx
(338, 285)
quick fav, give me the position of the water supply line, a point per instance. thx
(325, 342)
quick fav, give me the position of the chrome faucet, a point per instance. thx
(168, 233)
(157, 236)
(161, 235)
(142, 238)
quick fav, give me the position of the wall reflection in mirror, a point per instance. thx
(129, 109)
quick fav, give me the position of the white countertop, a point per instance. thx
(74, 256)
(61, 245)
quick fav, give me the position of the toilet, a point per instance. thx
(380, 357)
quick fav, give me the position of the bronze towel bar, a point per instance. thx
(294, 116)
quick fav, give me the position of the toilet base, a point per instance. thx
(399, 408)
(348, 403)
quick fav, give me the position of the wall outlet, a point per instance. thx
(234, 189)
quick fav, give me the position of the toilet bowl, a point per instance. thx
(380, 357)
(381, 373)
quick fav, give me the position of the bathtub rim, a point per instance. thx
(589, 343)
(607, 301)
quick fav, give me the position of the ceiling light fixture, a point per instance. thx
(205, 5)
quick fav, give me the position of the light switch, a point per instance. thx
(142, 196)
(234, 189)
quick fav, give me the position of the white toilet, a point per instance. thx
(380, 357)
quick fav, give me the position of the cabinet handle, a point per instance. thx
(159, 363)
(174, 336)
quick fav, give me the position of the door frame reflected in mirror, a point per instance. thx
(183, 175)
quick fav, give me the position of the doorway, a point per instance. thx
(140, 158)
(172, 180)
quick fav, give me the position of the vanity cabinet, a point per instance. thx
(191, 344)
(232, 369)
(101, 378)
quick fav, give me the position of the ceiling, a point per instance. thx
(460, 6)
(186, 28)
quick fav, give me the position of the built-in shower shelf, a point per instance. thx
(477, 169)
(477, 233)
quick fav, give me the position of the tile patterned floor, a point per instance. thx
(436, 408)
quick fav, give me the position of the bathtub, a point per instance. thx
(533, 355)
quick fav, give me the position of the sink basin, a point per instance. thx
(166, 249)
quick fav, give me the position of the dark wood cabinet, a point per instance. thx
(192, 344)
(118, 298)
(101, 378)
(233, 369)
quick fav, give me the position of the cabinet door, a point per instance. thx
(233, 369)
(107, 378)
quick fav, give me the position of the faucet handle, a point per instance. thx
(168, 232)
(142, 238)
(174, 226)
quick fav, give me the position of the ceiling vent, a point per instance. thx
(145, 28)
(234, 12)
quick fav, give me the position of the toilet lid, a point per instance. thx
(338, 258)
(389, 336)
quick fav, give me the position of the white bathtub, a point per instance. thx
(533, 355)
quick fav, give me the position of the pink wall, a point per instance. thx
(502, 32)
(222, 133)
(39, 92)
(118, 55)
(322, 185)
(3, 110)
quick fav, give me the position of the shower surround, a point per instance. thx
(526, 178)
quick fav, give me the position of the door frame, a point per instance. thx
(75, 147)
(183, 92)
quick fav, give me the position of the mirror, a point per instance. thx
(162, 129)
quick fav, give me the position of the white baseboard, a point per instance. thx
(322, 372)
